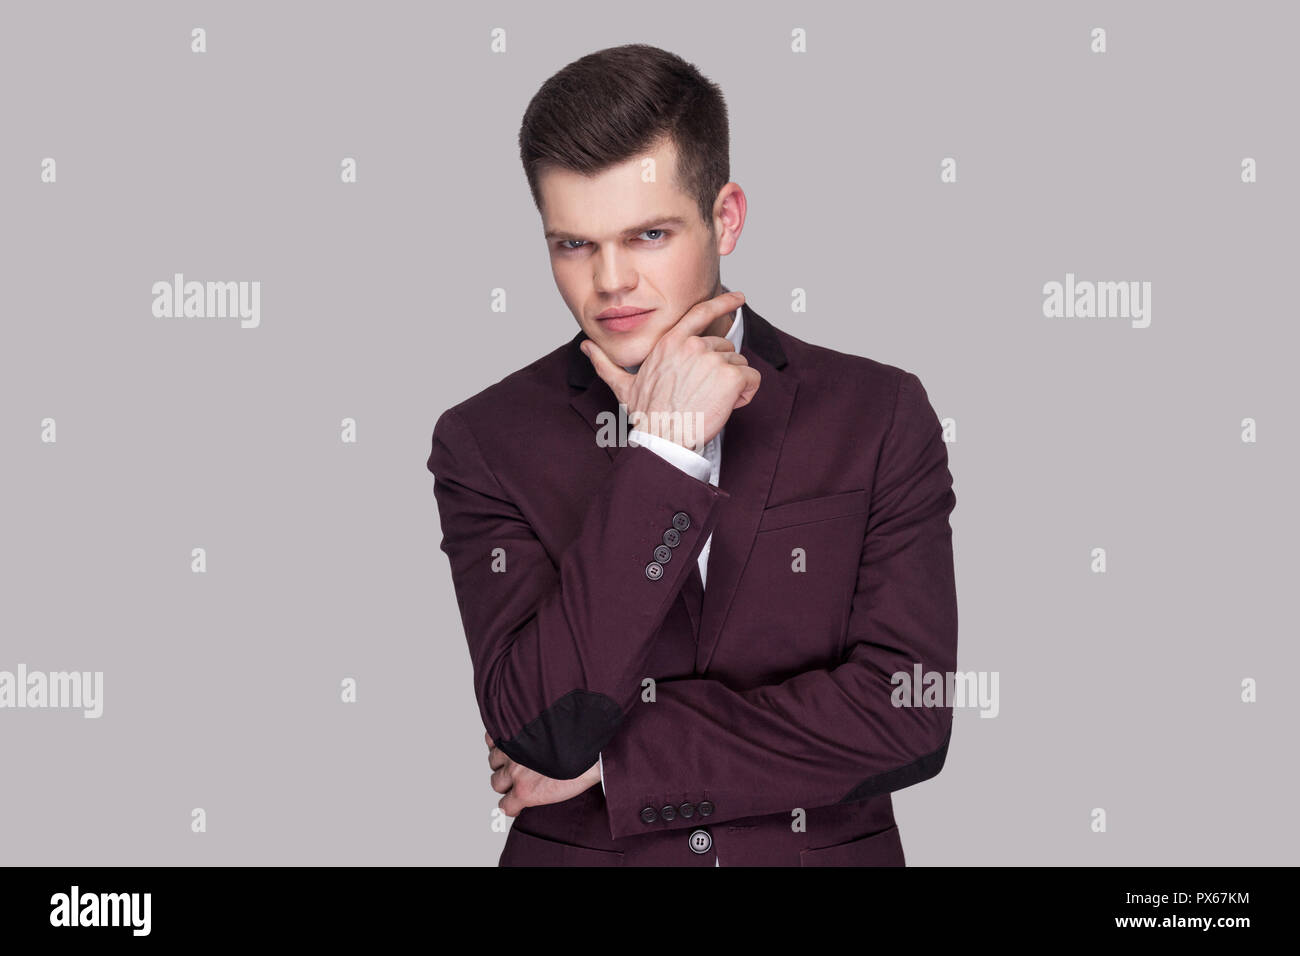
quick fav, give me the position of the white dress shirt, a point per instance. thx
(704, 466)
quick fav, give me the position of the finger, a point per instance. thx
(718, 343)
(487, 738)
(737, 359)
(700, 316)
(497, 758)
(752, 381)
(502, 781)
(618, 380)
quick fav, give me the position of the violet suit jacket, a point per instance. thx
(759, 709)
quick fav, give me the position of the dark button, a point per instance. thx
(648, 815)
(701, 841)
(681, 521)
(672, 537)
(669, 812)
(663, 554)
(654, 570)
(705, 808)
(687, 810)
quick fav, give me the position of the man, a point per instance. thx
(684, 643)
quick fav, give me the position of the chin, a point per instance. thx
(623, 351)
(627, 357)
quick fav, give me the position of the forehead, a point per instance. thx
(616, 199)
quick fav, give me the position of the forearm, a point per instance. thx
(558, 649)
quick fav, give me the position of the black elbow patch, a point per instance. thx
(922, 768)
(566, 739)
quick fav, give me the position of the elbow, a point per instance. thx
(925, 766)
(565, 740)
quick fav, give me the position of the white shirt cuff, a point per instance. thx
(601, 759)
(688, 461)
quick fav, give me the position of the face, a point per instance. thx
(615, 240)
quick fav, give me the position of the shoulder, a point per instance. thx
(536, 389)
(845, 376)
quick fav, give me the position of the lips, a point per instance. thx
(623, 319)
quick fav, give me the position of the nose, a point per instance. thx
(613, 272)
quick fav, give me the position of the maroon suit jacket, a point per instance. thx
(770, 705)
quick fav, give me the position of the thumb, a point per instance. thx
(615, 377)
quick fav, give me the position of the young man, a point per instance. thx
(684, 643)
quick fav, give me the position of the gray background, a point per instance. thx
(221, 690)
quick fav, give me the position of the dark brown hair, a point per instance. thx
(608, 106)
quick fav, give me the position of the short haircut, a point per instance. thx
(611, 105)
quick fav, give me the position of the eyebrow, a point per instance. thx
(632, 231)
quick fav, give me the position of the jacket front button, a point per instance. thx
(648, 815)
(654, 570)
(681, 521)
(663, 554)
(700, 841)
(669, 813)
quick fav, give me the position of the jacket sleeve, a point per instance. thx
(558, 643)
(824, 736)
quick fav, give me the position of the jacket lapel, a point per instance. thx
(751, 445)
(595, 396)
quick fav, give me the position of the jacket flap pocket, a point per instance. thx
(524, 849)
(814, 509)
(879, 849)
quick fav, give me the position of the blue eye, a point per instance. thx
(564, 244)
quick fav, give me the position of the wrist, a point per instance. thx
(680, 428)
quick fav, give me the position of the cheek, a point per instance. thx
(562, 270)
(568, 282)
(682, 276)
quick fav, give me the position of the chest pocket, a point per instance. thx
(811, 510)
(799, 580)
